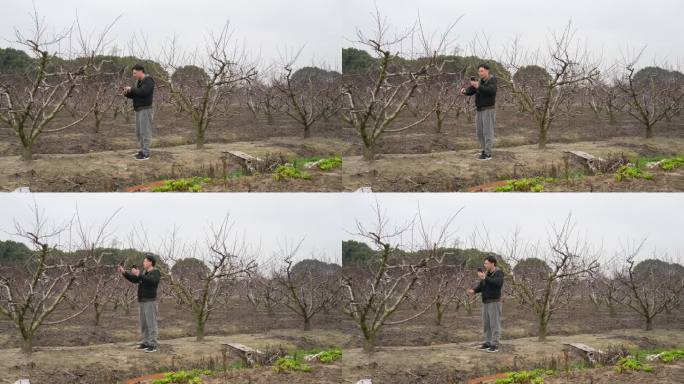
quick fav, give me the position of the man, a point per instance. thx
(147, 281)
(142, 95)
(491, 282)
(485, 98)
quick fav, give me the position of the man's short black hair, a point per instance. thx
(491, 259)
(138, 67)
(151, 258)
(483, 65)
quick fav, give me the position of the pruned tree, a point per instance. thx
(308, 94)
(264, 292)
(374, 292)
(30, 101)
(651, 94)
(308, 286)
(375, 100)
(544, 278)
(650, 287)
(31, 293)
(204, 273)
(544, 83)
(207, 80)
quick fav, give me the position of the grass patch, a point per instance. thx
(235, 174)
(533, 184)
(193, 184)
(632, 172)
(324, 355)
(288, 171)
(671, 163)
(670, 356)
(289, 363)
(330, 163)
(184, 377)
(535, 376)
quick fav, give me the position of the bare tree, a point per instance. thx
(651, 94)
(651, 287)
(543, 278)
(30, 295)
(29, 103)
(308, 287)
(222, 260)
(220, 70)
(374, 293)
(264, 292)
(375, 100)
(306, 93)
(552, 79)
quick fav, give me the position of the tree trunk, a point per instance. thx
(27, 153)
(543, 324)
(369, 152)
(307, 323)
(307, 131)
(440, 315)
(369, 343)
(649, 323)
(543, 131)
(200, 330)
(27, 344)
(649, 130)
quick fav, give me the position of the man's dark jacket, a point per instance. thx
(142, 93)
(147, 284)
(491, 286)
(485, 94)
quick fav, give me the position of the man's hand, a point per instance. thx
(471, 291)
(463, 91)
(474, 84)
(120, 269)
(125, 89)
(135, 271)
(481, 275)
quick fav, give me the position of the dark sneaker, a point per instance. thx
(150, 349)
(484, 346)
(478, 154)
(484, 157)
(141, 156)
(141, 347)
(135, 155)
(493, 349)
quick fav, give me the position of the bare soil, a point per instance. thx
(415, 352)
(421, 159)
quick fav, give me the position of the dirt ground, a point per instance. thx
(417, 160)
(415, 352)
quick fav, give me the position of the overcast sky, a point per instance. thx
(269, 27)
(324, 220)
(609, 26)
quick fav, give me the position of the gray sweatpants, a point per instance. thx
(484, 127)
(143, 129)
(491, 318)
(148, 322)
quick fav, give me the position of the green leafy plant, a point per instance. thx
(535, 376)
(288, 171)
(631, 364)
(330, 355)
(184, 377)
(193, 184)
(289, 363)
(330, 163)
(672, 163)
(672, 355)
(534, 184)
(632, 172)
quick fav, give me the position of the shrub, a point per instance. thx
(673, 163)
(330, 355)
(670, 356)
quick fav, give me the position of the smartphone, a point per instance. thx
(480, 269)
